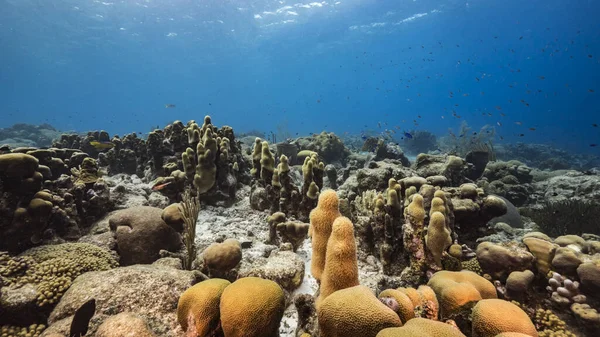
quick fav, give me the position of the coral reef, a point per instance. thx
(436, 248)
(422, 141)
(28, 135)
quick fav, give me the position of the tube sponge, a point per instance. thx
(321, 221)
(341, 267)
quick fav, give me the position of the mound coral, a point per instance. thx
(493, 316)
(198, 307)
(422, 327)
(355, 312)
(222, 257)
(252, 307)
(457, 289)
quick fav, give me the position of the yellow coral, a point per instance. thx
(252, 307)
(321, 221)
(421, 327)
(223, 256)
(415, 211)
(354, 312)
(341, 267)
(456, 289)
(438, 237)
(403, 305)
(493, 316)
(198, 306)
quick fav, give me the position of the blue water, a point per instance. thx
(341, 66)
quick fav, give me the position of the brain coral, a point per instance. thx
(422, 327)
(493, 316)
(252, 307)
(354, 312)
(455, 289)
(198, 307)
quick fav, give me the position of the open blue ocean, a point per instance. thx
(341, 66)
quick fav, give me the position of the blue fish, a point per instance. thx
(408, 135)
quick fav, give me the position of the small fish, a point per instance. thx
(518, 123)
(499, 124)
(161, 186)
(408, 135)
(593, 145)
(81, 319)
(169, 106)
(595, 125)
(102, 145)
(532, 129)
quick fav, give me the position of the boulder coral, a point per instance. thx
(422, 327)
(252, 307)
(222, 257)
(457, 289)
(198, 308)
(493, 316)
(355, 312)
(141, 234)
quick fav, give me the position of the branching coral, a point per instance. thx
(52, 268)
(466, 140)
(189, 208)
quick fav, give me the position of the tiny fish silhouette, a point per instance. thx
(81, 319)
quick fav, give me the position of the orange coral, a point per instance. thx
(341, 267)
(493, 316)
(455, 289)
(354, 312)
(422, 327)
(198, 307)
(252, 307)
(321, 222)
